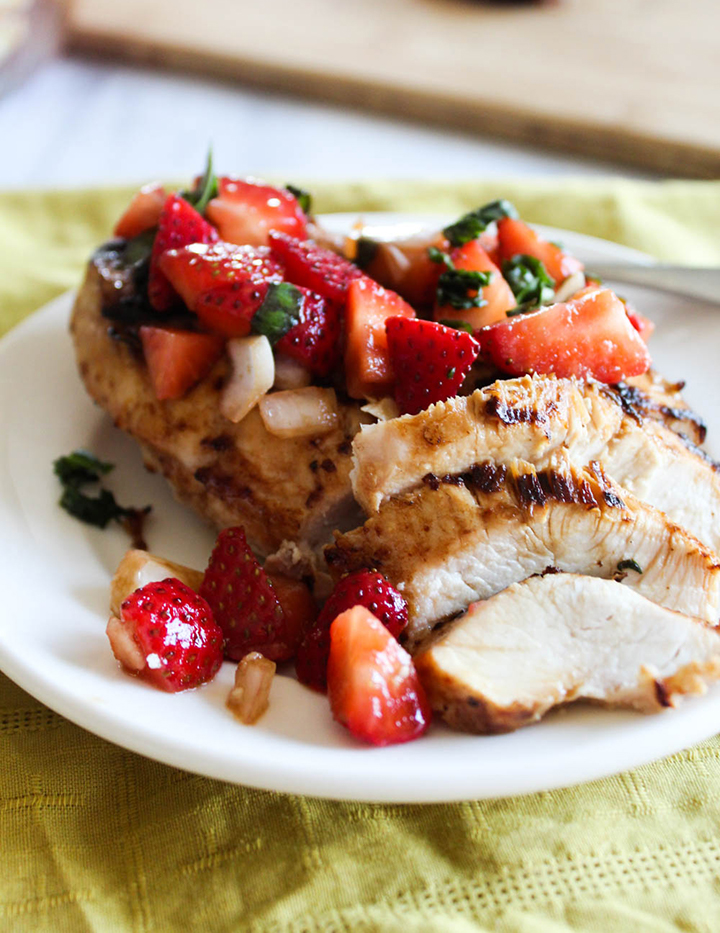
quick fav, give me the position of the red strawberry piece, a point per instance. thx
(245, 605)
(167, 635)
(246, 210)
(373, 686)
(314, 267)
(179, 225)
(315, 340)
(516, 238)
(178, 359)
(430, 361)
(366, 588)
(143, 211)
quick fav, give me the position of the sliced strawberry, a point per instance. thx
(143, 211)
(315, 340)
(314, 267)
(363, 588)
(588, 336)
(403, 265)
(643, 325)
(245, 605)
(246, 210)
(373, 687)
(497, 296)
(298, 605)
(179, 225)
(430, 361)
(516, 238)
(367, 360)
(166, 634)
(177, 359)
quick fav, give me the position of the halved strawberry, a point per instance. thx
(246, 210)
(497, 296)
(430, 361)
(588, 336)
(222, 283)
(314, 267)
(515, 237)
(373, 687)
(177, 359)
(315, 340)
(179, 225)
(367, 360)
(143, 211)
(167, 635)
(366, 588)
(244, 602)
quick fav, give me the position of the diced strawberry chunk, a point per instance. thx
(178, 359)
(246, 210)
(373, 687)
(498, 296)
(298, 605)
(589, 336)
(367, 360)
(143, 211)
(315, 340)
(362, 588)
(245, 605)
(179, 225)
(167, 635)
(314, 267)
(403, 265)
(430, 361)
(515, 238)
(643, 325)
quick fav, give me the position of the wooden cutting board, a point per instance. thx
(636, 81)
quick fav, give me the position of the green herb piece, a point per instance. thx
(80, 467)
(93, 510)
(365, 251)
(279, 312)
(471, 225)
(629, 565)
(304, 198)
(450, 374)
(438, 256)
(138, 249)
(455, 285)
(206, 189)
(457, 325)
(529, 281)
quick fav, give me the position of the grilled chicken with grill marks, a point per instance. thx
(532, 418)
(561, 637)
(652, 396)
(451, 542)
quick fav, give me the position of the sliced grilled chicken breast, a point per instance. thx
(532, 418)
(278, 488)
(448, 543)
(653, 396)
(562, 637)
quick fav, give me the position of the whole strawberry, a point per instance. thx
(314, 267)
(430, 361)
(245, 603)
(366, 588)
(166, 634)
(179, 225)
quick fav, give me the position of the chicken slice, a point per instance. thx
(657, 398)
(449, 543)
(562, 637)
(532, 418)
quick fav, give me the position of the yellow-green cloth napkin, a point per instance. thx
(96, 838)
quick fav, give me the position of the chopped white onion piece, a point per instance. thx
(250, 696)
(253, 374)
(573, 283)
(138, 568)
(384, 409)
(124, 647)
(289, 373)
(300, 412)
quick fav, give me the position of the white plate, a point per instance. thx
(55, 572)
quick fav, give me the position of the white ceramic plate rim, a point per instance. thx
(601, 743)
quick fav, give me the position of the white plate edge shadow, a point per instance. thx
(355, 779)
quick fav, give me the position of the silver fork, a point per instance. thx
(701, 282)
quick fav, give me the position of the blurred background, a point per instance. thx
(107, 91)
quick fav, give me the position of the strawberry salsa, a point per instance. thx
(238, 271)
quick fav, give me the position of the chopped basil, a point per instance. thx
(450, 374)
(206, 188)
(280, 311)
(629, 565)
(529, 281)
(457, 325)
(80, 467)
(77, 470)
(304, 198)
(471, 225)
(365, 251)
(93, 510)
(455, 285)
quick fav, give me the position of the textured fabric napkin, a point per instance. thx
(96, 838)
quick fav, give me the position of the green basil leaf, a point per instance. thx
(455, 285)
(629, 565)
(457, 325)
(529, 281)
(280, 311)
(93, 510)
(304, 198)
(207, 187)
(471, 225)
(80, 467)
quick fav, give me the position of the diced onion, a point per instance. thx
(250, 696)
(572, 284)
(300, 412)
(253, 374)
(138, 568)
(384, 409)
(289, 373)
